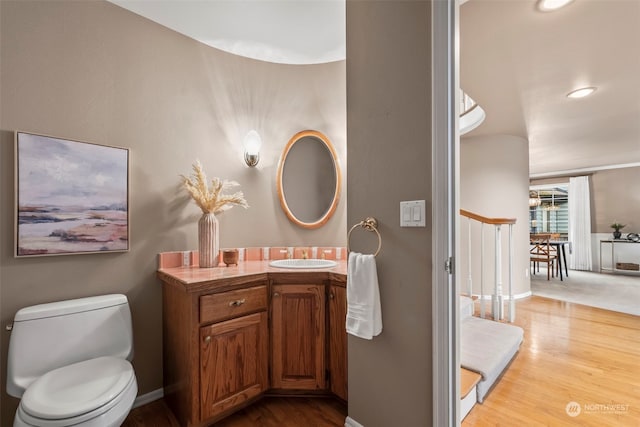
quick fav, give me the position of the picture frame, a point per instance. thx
(71, 197)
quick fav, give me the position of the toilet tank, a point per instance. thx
(48, 336)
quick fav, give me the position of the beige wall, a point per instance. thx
(94, 72)
(494, 182)
(389, 160)
(615, 196)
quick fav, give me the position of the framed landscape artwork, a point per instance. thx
(71, 197)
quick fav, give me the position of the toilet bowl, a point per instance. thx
(69, 363)
(93, 393)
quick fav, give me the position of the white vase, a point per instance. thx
(208, 240)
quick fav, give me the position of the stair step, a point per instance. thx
(468, 380)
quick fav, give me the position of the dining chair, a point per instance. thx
(541, 251)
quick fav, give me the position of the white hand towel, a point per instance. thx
(364, 314)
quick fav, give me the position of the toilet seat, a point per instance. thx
(79, 392)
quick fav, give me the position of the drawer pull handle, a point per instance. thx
(237, 303)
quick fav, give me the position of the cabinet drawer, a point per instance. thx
(230, 304)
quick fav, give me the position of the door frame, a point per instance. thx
(445, 192)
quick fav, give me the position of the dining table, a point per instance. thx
(562, 254)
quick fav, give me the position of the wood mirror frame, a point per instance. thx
(291, 194)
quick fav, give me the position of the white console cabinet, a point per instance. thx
(616, 253)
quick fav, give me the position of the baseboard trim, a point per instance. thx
(148, 397)
(350, 422)
(506, 297)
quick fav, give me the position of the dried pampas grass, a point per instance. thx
(212, 200)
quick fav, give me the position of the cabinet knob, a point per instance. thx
(237, 303)
(207, 339)
(276, 294)
(331, 295)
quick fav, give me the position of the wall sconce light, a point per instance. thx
(252, 143)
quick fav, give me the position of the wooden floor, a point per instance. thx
(154, 414)
(268, 412)
(570, 353)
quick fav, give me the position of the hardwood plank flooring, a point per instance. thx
(289, 412)
(154, 414)
(267, 412)
(570, 353)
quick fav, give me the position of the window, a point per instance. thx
(551, 213)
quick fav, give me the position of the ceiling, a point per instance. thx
(516, 62)
(519, 63)
(281, 31)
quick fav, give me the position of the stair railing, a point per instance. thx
(497, 298)
(471, 114)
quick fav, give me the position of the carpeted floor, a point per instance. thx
(614, 292)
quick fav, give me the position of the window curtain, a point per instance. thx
(580, 223)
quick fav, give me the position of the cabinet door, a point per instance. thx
(233, 363)
(338, 340)
(298, 337)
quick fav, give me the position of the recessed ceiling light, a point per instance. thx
(581, 93)
(549, 5)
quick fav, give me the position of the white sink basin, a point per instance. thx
(303, 263)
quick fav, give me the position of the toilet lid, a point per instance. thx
(77, 389)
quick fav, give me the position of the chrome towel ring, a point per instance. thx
(369, 224)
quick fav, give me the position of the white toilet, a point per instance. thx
(69, 363)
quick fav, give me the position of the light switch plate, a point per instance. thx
(413, 213)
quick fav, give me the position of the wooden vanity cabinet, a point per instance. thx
(216, 349)
(228, 341)
(338, 359)
(233, 353)
(298, 336)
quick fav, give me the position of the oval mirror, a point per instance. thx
(309, 179)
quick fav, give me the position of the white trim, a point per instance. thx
(583, 170)
(506, 297)
(445, 218)
(468, 402)
(350, 422)
(472, 120)
(149, 397)
(550, 186)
